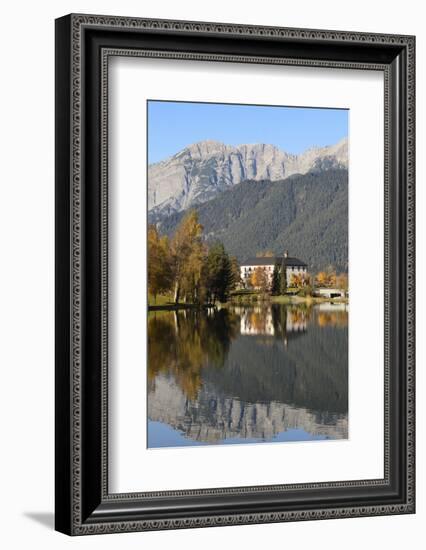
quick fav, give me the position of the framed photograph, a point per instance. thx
(234, 274)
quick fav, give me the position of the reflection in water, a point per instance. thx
(247, 374)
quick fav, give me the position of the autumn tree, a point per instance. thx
(332, 279)
(296, 280)
(331, 276)
(342, 281)
(259, 279)
(187, 252)
(321, 278)
(160, 275)
(192, 272)
(186, 265)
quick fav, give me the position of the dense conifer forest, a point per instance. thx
(305, 214)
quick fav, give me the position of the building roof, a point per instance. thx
(272, 260)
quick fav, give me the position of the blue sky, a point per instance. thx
(174, 125)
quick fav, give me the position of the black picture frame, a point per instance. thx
(83, 504)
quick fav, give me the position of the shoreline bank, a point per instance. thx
(290, 300)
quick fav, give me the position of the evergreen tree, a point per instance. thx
(283, 278)
(235, 273)
(218, 274)
(276, 281)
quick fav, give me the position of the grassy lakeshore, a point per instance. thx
(177, 307)
(306, 300)
(246, 298)
(250, 297)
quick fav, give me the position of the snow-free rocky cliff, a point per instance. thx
(201, 171)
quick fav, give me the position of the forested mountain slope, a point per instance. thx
(304, 214)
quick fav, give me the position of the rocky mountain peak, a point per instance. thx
(200, 171)
(207, 148)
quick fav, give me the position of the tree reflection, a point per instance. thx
(288, 353)
(183, 343)
(337, 319)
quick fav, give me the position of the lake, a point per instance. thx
(247, 374)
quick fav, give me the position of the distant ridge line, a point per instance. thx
(203, 170)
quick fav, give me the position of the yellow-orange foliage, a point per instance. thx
(259, 278)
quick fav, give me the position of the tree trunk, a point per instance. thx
(177, 293)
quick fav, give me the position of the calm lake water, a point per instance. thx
(247, 375)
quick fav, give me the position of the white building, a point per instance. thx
(330, 292)
(293, 266)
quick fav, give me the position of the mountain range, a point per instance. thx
(203, 170)
(255, 198)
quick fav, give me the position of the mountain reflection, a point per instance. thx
(248, 373)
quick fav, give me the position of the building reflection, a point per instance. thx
(255, 321)
(270, 321)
